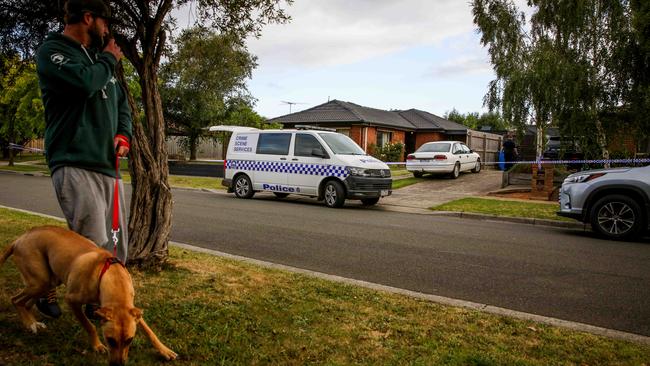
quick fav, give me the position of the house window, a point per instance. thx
(383, 138)
(344, 131)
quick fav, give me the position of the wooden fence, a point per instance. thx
(487, 145)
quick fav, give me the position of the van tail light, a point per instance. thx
(440, 157)
(224, 165)
(410, 157)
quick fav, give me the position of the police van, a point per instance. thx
(305, 161)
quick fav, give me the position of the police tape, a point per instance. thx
(542, 161)
(24, 148)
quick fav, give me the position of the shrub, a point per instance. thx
(390, 152)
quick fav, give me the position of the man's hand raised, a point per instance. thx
(114, 49)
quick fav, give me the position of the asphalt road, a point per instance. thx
(553, 272)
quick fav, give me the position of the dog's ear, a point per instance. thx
(136, 313)
(105, 314)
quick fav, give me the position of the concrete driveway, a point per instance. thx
(436, 190)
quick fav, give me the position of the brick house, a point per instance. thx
(368, 126)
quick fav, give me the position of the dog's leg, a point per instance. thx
(161, 348)
(21, 301)
(87, 325)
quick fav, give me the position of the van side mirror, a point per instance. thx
(318, 152)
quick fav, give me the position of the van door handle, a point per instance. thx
(283, 158)
(294, 159)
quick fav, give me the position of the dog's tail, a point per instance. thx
(7, 253)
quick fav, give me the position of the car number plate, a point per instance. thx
(425, 160)
(384, 192)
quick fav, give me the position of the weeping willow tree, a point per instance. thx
(566, 64)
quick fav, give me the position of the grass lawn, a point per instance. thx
(400, 183)
(501, 207)
(26, 168)
(216, 311)
(27, 157)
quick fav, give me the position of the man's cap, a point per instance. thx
(97, 8)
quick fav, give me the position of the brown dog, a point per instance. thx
(48, 256)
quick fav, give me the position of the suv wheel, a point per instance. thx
(617, 217)
(334, 194)
(243, 187)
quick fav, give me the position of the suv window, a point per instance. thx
(274, 143)
(305, 143)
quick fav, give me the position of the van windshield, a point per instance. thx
(341, 144)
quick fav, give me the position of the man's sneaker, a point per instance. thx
(48, 305)
(89, 310)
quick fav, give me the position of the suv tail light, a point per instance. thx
(440, 157)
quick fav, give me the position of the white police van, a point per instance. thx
(307, 161)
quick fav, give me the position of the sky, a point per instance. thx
(385, 54)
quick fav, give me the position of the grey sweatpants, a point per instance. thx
(86, 198)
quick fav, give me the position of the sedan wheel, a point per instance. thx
(617, 217)
(243, 187)
(456, 172)
(477, 167)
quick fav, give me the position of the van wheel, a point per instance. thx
(369, 201)
(243, 187)
(334, 194)
(418, 174)
(617, 217)
(456, 172)
(280, 194)
(477, 167)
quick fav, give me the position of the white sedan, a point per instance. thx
(449, 157)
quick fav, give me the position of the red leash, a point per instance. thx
(115, 229)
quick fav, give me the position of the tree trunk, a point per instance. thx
(151, 201)
(193, 140)
(601, 138)
(12, 140)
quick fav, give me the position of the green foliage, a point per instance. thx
(21, 109)
(390, 152)
(475, 122)
(204, 80)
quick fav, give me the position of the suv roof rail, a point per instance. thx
(307, 127)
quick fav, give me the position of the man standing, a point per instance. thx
(509, 150)
(88, 123)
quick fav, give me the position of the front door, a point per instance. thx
(306, 168)
(271, 161)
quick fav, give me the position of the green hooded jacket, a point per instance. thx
(85, 106)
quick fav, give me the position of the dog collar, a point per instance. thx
(107, 263)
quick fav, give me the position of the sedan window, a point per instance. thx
(435, 147)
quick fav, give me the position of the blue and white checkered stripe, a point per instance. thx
(289, 168)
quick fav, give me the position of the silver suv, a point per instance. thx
(616, 202)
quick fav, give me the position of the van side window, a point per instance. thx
(274, 143)
(305, 144)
